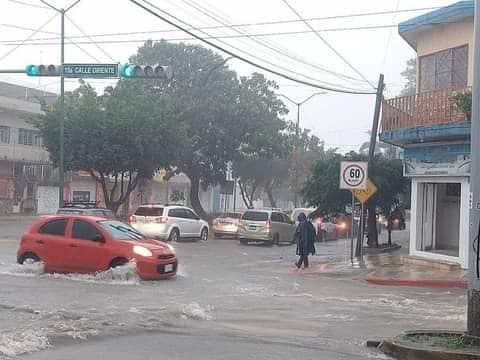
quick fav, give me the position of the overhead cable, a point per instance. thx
(327, 43)
(239, 57)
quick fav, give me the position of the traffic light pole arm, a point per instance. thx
(12, 71)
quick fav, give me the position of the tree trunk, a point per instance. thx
(194, 199)
(372, 225)
(271, 198)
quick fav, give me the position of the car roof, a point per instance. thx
(70, 216)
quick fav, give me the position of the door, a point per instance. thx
(194, 224)
(179, 218)
(86, 247)
(47, 197)
(51, 245)
(277, 225)
(289, 228)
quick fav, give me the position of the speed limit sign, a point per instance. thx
(353, 175)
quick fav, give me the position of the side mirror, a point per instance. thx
(99, 238)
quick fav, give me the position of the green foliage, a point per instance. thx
(463, 100)
(322, 188)
(410, 74)
(115, 137)
(177, 196)
(456, 342)
(219, 118)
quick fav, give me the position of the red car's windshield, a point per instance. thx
(120, 231)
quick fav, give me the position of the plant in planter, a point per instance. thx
(463, 100)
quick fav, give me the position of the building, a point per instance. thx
(435, 133)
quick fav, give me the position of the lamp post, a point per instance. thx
(297, 135)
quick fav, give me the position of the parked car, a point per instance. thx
(226, 224)
(268, 226)
(83, 208)
(88, 244)
(169, 222)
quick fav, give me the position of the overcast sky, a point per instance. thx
(340, 120)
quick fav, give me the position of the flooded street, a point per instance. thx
(228, 301)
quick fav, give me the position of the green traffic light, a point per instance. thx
(32, 70)
(127, 70)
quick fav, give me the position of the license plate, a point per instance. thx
(168, 268)
(253, 228)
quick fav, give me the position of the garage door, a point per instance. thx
(47, 199)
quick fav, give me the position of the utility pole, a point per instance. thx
(371, 208)
(61, 157)
(473, 304)
(297, 135)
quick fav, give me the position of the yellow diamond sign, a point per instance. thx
(364, 195)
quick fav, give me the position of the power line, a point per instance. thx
(327, 43)
(265, 43)
(28, 4)
(91, 40)
(83, 50)
(243, 51)
(239, 57)
(268, 34)
(390, 33)
(28, 37)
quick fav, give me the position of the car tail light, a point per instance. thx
(133, 219)
(215, 222)
(161, 220)
(268, 225)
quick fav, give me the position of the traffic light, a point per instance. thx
(146, 72)
(43, 70)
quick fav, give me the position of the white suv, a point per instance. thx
(169, 222)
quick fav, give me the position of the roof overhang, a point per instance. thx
(457, 12)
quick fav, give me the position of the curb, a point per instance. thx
(404, 351)
(445, 284)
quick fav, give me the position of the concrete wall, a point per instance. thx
(15, 151)
(446, 36)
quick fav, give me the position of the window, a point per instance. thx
(29, 170)
(85, 231)
(444, 69)
(81, 196)
(189, 214)
(178, 213)
(149, 211)
(4, 135)
(120, 231)
(277, 217)
(55, 227)
(255, 216)
(29, 137)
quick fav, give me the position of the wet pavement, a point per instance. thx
(229, 301)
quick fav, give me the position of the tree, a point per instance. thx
(219, 117)
(410, 74)
(322, 188)
(118, 138)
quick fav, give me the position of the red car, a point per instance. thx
(88, 244)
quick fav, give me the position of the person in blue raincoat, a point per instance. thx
(305, 235)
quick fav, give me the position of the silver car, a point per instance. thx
(169, 222)
(268, 226)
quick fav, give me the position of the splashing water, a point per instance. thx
(22, 342)
(195, 311)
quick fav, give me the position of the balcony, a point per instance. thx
(422, 117)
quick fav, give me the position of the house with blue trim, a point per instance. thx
(435, 133)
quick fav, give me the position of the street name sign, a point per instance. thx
(353, 175)
(364, 195)
(90, 70)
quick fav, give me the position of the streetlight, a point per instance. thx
(297, 134)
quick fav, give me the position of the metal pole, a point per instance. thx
(12, 71)
(61, 167)
(352, 232)
(297, 158)
(362, 233)
(234, 194)
(473, 304)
